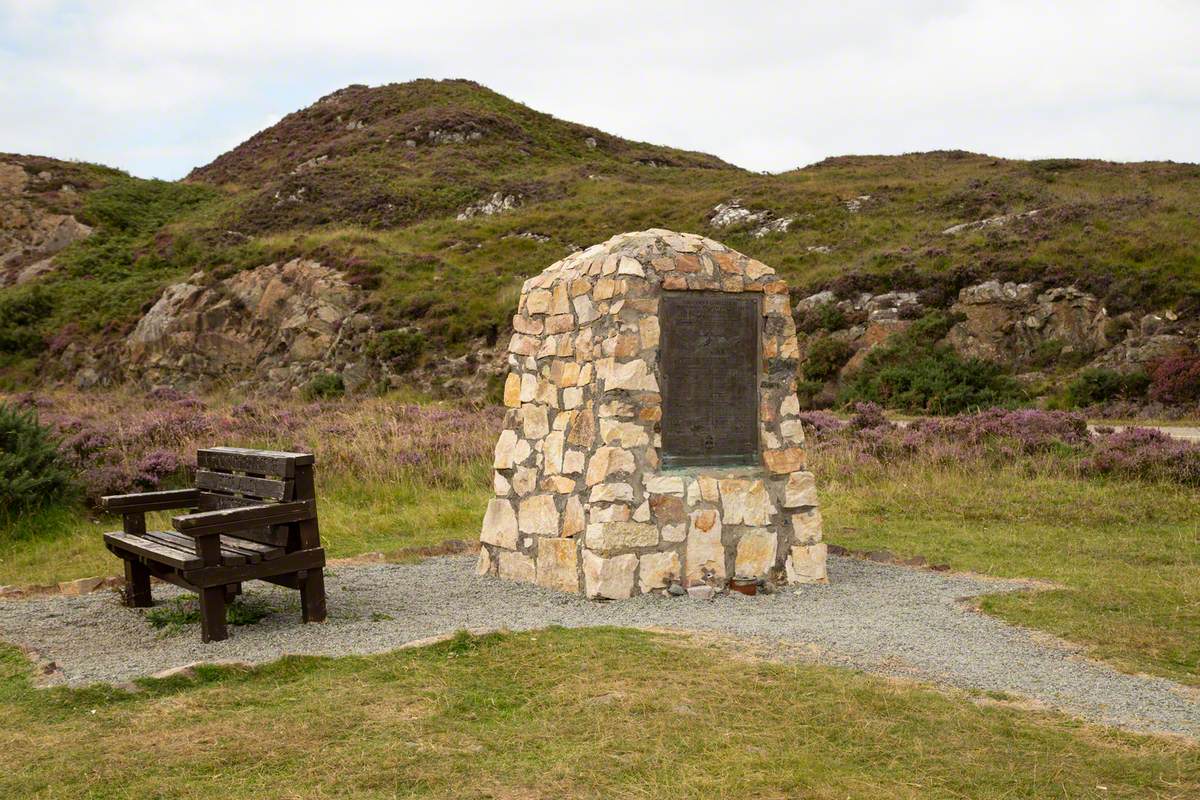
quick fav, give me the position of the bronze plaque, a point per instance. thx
(709, 365)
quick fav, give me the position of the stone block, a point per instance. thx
(512, 390)
(606, 537)
(801, 490)
(538, 515)
(623, 434)
(499, 524)
(611, 493)
(806, 526)
(756, 551)
(573, 462)
(658, 570)
(704, 558)
(608, 461)
(516, 566)
(664, 484)
(483, 566)
(573, 517)
(667, 509)
(793, 431)
(745, 502)
(610, 578)
(806, 564)
(534, 421)
(556, 564)
(506, 445)
(790, 459)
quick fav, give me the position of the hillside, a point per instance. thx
(436, 199)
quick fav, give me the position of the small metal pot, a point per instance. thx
(744, 585)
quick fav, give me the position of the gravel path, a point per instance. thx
(875, 617)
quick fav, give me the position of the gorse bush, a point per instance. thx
(1099, 385)
(916, 373)
(326, 386)
(21, 315)
(33, 472)
(400, 348)
(826, 356)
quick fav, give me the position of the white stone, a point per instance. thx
(658, 570)
(790, 406)
(792, 430)
(534, 421)
(745, 502)
(516, 566)
(572, 397)
(806, 563)
(634, 376)
(674, 533)
(756, 552)
(573, 522)
(614, 512)
(608, 461)
(506, 444)
(610, 578)
(609, 536)
(529, 384)
(623, 434)
(524, 480)
(499, 525)
(500, 485)
(611, 493)
(801, 490)
(552, 450)
(642, 514)
(538, 515)
(573, 462)
(630, 266)
(664, 484)
(806, 526)
(705, 555)
(484, 565)
(556, 564)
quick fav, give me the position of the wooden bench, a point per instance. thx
(254, 518)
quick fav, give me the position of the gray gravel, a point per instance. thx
(879, 618)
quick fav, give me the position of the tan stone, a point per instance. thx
(658, 570)
(607, 461)
(806, 564)
(559, 484)
(614, 512)
(623, 434)
(524, 481)
(523, 324)
(790, 406)
(573, 517)
(538, 515)
(506, 445)
(572, 397)
(499, 525)
(777, 305)
(611, 493)
(484, 565)
(745, 502)
(523, 345)
(642, 512)
(806, 526)
(610, 578)
(573, 462)
(80, 586)
(674, 533)
(687, 263)
(582, 429)
(610, 265)
(559, 302)
(585, 374)
(552, 452)
(674, 282)
(704, 558)
(516, 566)
(512, 390)
(756, 550)
(546, 394)
(709, 489)
(585, 309)
(634, 376)
(627, 345)
(609, 536)
(787, 460)
(538, 301)
(801, 490)
(529, 384)
(556, 564)
(500, 485)
(534, 421)
(605, 289)
(560, 323)
(630, 266)
(664, 484)
(757, 269)
(564, 373)
(580, 286)
(649, 330)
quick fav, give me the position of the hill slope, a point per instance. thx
(440, 197)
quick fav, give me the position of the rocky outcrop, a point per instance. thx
(498, 203)
(30, 235)
(1012, 323)
(734, 214)
(277, 324)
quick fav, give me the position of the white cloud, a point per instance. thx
(160, 87)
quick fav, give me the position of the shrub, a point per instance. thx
(1099, 385)
(400, 348)
(826, 356)
(825, 317)
(175, 614)
(1176, 381)
(21, 316)
(326, 386)
(914, 373)
(33, 472)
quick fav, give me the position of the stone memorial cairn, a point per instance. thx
(588, 499)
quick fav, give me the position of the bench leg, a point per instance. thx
(232, 590)
(212, 614)
(137, 585)
(312, 595)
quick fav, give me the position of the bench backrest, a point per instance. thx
(234, 477)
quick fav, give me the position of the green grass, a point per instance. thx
(1126, 554)
(558, 713)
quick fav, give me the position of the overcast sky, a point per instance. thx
(158, 87)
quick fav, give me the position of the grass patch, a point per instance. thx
(557, 713)
(181, 612)
(1126, 553)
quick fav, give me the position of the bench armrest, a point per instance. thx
(235, 519)
(150, 501)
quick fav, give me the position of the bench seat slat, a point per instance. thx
(260, 462)
(157, 551)
(229, 555)
(264, 488)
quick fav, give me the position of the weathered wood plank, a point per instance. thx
(150, 501)
(234, 519)
(260, 462)
(229, 555)
(265, 488)
(172, 556)
(292, 562)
